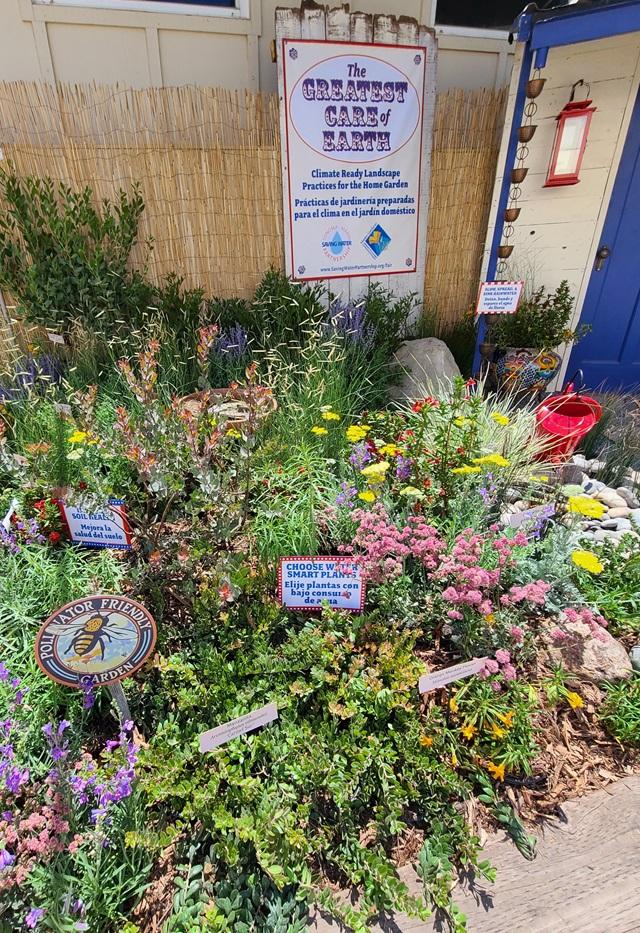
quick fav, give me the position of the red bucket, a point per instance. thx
(563, 420)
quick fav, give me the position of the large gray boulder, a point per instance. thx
(428, 366)
(586, 657)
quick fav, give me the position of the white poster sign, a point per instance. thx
(308, 582)
(106, 527)
(352, 157)
(499, 297)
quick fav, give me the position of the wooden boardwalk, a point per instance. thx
(585, 879)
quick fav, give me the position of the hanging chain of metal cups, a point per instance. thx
(519, 171)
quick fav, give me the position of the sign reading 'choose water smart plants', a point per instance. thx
(308, 582)
(352, 157)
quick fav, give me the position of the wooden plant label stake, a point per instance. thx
(499, 297)
(307, 582)
(108, 527)
(120, 700)
(236, 727)
(438, 679)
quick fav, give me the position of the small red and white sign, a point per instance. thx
(438, 679)
(106, 527)
(307, 583)
(499, 297)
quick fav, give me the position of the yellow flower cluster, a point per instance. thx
(465, 470)
(367, 496)
(357, 432)
(493, 460)
(583, 505)
(376, 472)
(390, 450)
(318, 430)
(587, 560)
(499, 418)
(330, 415)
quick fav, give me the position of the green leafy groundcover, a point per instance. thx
(108, 826)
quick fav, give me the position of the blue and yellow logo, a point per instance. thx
(376, 241)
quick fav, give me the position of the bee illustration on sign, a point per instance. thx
(90, 636)
(102, 637)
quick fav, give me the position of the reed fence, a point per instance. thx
(208, 163)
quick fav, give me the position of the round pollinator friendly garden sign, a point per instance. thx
(97, 640)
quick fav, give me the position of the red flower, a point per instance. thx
(54, 537)
(39, 505)
(82, 485)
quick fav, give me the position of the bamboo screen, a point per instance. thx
(208, 163)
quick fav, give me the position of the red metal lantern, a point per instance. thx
(570, 142)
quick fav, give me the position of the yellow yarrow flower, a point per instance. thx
(465, 470)
(316, 429)
(330, 416)
(357, 432)
(587, 560)
(493, 459)
(575, 700)
(583, 505)
(390, 450)
(78, 437)
(499, 418)
(496, 771)
(411, 491)
(469, 731)
(367, 496)
(461, 422)
(233, 432)
(375, 470)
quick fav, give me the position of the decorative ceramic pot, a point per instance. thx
(527, 367)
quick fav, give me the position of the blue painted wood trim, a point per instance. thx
(503, 200)
(585, 25)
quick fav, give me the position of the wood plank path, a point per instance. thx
(585, 879)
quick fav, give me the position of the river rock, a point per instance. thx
(623, 524)
(609, 524)
(586, 657)
(592, 486)
(610, 498)
(428, 366)
(634, 515)
(620, 512)
(628, 497)
(581, 461)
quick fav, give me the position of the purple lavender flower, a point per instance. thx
(89, 698)
(15, 778)
(6, 859)
(351, 323)
(403, 467)
(359, 456)
(34, 917)
(232, 343)
(346, 495)
(4, 673)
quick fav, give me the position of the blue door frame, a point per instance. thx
(539, 31)
(609, 356)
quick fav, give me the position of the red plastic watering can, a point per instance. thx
(562, 420)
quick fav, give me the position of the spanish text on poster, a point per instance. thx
(308, 582)
(499, 297)
(104, 527)
(352, 157)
